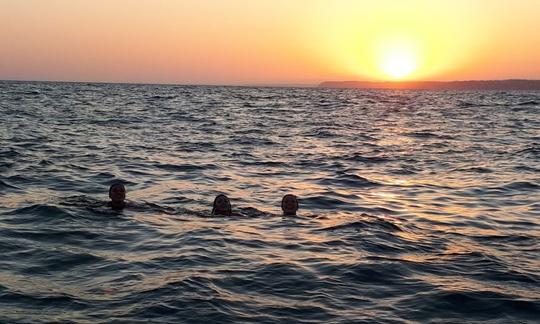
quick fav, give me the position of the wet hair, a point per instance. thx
(116, 184)
(289, 195)
(229, 208)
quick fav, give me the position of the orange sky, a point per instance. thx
(267, 41)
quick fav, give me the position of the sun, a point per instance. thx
(398, 59)
(398, 64)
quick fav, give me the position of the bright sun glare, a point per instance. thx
(398, 59)
(398, 65)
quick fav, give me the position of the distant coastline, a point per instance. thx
(513, 84)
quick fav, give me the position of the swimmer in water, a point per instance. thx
(222, 206)
(117, 193)
(289, 205)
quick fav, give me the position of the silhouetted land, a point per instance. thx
(438, 85)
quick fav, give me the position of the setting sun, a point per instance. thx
(379, 42)
(398, 64)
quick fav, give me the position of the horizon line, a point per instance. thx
(262, 85)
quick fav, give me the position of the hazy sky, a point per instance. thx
(268, 41)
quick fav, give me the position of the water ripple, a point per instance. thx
(415, 206)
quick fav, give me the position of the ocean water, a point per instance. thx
(415, 206)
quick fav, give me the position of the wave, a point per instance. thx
(11, 153)
(52, 235)
(7, 185)
(184, 167)
(405, 170)
(428, 134)
(512, 239)
(103, 176)
(265, 163)
(40, 211)
(285, 279)
(477, 169)
(64, 260)
(27, 93)
(526, 168)
(376, 223)
(473, 305)
(466, 104)
(252, 141)
(99, 207)
(4, 166)
(325, 202)
(360, 157)
(160, 97)
(42, 301)
(533, 150)
(528, 103)
(520, 186)
(349, 180)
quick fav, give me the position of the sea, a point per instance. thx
(415, 206)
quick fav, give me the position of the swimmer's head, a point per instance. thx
(289, 205)
(222, 206)
(117, 192)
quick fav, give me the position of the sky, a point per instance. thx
(268, 41)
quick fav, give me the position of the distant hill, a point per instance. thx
(438, 85)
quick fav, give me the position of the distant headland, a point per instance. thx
(514, 84)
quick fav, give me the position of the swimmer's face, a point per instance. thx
(222, 203)
(118, 193)
(289, 205)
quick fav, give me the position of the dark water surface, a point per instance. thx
(416, 206)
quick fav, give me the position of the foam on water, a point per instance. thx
(415, 205)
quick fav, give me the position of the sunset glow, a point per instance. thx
(398, 61)
(397, 65)
(268, 42)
